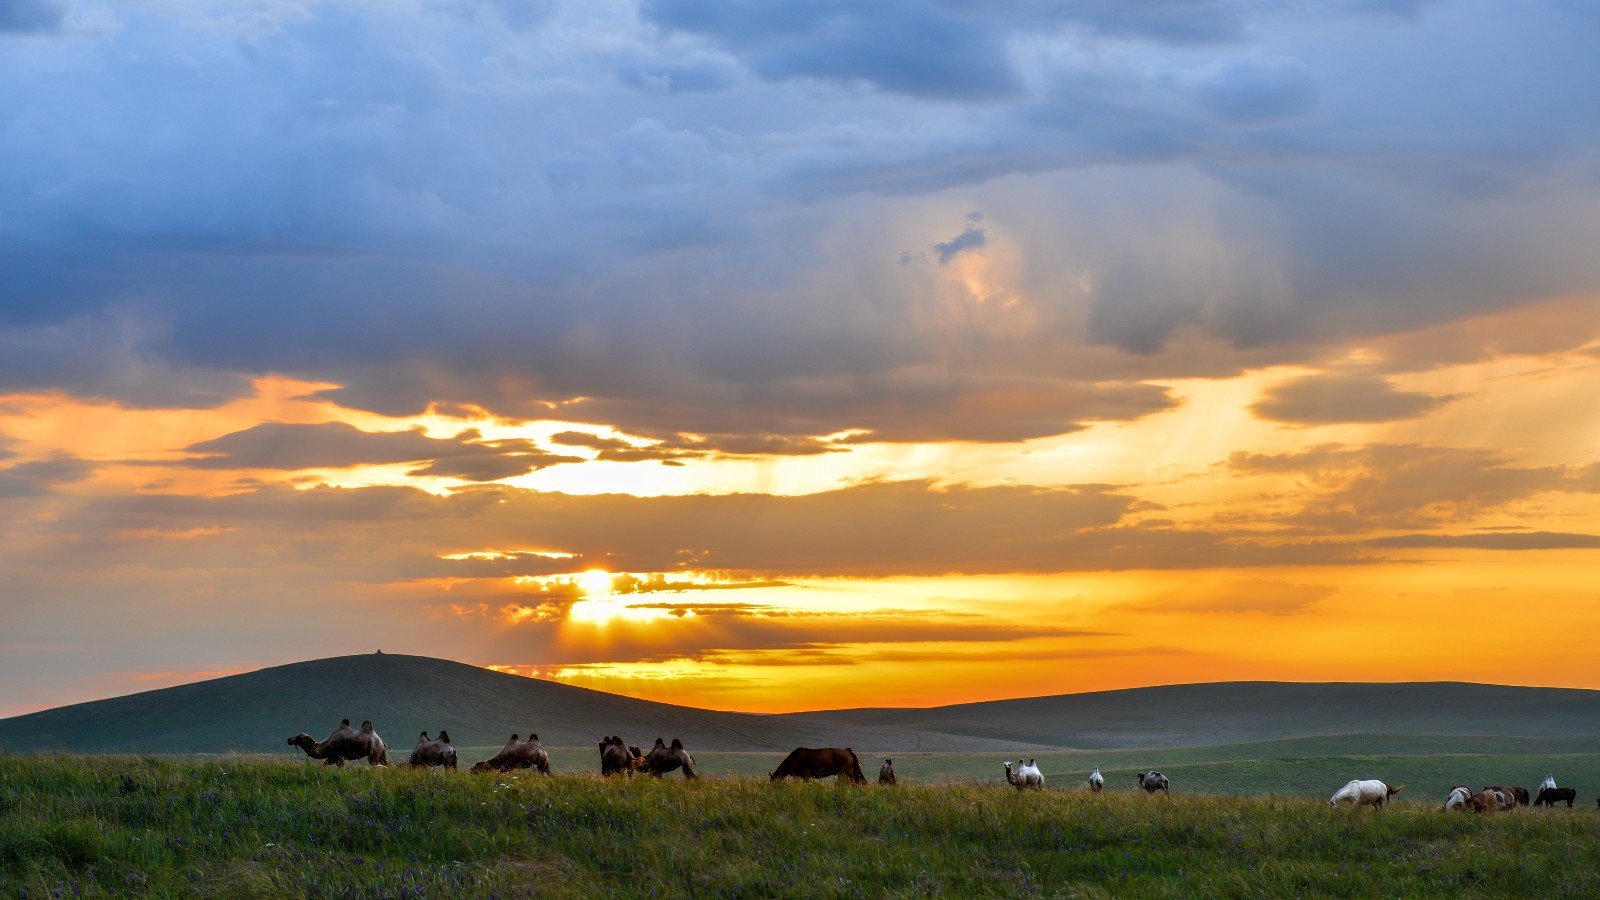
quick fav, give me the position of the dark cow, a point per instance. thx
(614, 756)
(821, 762)
(1552, 796)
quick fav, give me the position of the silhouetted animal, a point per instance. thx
(886, 773)
(663, 759)
(518, 754)
(820, 762)
(614, 756)
(1368, 792)
(1097, 782)
(345, 743)
(436, 752)
(1153, 781)
(1552, 796)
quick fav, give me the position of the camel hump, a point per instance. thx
(677, 744)
(344, 723)
(532, 736)
(660, 743)
(514, 737)
(444, 736)
(366, 726)
(423, 736)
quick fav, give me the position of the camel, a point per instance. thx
(436, 752)
(1027, 775)
(663, 759)
(614, 756)
(886, 774)
(518, 754)
(345, 743)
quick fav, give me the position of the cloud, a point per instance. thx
(38, 478)
(970, 239)
(1356, 489)
(338, 445)
(30, 16)
(1533, 540)
(1336, 397)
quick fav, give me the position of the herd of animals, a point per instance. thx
(617, 757)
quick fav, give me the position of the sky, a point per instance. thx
(799, 355)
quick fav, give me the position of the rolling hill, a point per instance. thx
(1250, 711)
(257, 711)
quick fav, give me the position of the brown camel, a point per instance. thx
(518, 754)
(614, 756)
(436, 752)
(345, 743)
(663, 759)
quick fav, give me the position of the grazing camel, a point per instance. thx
(886, 773)
(435, 752)
(663, 759)
(345, 743)
(614, 756)
(518, 754)
(1097, 782)
(807, 763)
(1153, 781)
(1365, 792)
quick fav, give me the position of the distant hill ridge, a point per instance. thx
(257, 711)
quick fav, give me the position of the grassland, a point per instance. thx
(253, 827)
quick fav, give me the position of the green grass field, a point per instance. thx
(269, 827)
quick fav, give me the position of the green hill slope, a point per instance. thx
(402, 695)
(1236, 712)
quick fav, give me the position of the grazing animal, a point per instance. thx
(1153, 781)
(1552, 796)
(345, 743)
(614, 756)
(886, 773)
(820, 762)
(1519, 796)
(1097, 782)
(638, 757)
(663, 759)
(1489, 800)
(1459, 795)
(1548, 782)
(436, 752)
(518, 754)
(1365, 792)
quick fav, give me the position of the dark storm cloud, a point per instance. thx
(1343, 397)
(513, 212)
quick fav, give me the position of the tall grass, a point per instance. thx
(236, 827)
